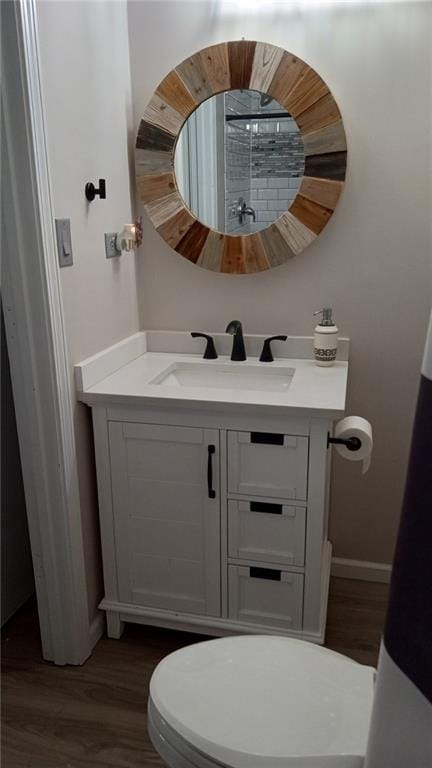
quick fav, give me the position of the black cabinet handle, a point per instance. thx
(265, 573)
(210, 351)
(267, 354)
(267, 438)
(265, 506)
(211, 492)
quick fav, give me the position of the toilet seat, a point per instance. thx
(262, 702)
(175, 751)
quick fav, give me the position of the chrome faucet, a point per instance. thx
(247, 210)
(238, 348)
(244, 210)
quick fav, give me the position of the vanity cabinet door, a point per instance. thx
(267, 464)
(165, 486)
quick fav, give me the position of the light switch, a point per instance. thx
(64, 242)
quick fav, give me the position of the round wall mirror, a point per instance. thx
(241, 157)
(239, 161)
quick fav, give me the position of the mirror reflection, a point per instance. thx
(239, 161)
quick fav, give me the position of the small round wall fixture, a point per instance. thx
(241, 157)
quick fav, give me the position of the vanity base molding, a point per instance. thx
(120, 613)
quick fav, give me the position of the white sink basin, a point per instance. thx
(230, 376)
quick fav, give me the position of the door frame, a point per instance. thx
(32, 301)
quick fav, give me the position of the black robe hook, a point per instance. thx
(91, 191)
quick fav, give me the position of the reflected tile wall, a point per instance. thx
(264, 161)
(237, 160)
(277, 164)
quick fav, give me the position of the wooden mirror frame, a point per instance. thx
(303, 93)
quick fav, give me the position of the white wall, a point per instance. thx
(86, 86)
(372, 263)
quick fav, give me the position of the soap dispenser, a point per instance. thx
(325, 338)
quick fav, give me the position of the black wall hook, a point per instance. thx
(91, 191)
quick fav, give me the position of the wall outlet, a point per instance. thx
(111, 249)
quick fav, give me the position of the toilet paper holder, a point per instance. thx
(352, 443)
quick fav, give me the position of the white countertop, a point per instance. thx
(314, 389)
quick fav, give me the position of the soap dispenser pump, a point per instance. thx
(325, 338)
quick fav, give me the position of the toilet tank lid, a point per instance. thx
(251, 701)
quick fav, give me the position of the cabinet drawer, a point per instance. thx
(265, 596)
(272, 533)
(267, 464)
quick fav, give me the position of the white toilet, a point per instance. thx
(260, 702)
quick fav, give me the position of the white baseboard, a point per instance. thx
(361, 569)
(97, 628)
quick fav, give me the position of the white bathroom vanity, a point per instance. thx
(213, 481)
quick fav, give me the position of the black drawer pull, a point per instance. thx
(211, 492)
(264, 573)
(263, 506)
(267, 438)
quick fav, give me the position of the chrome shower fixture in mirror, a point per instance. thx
(239, 161)
(240, 157)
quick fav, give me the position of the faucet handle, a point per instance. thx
(210, 351)
(266, 354)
